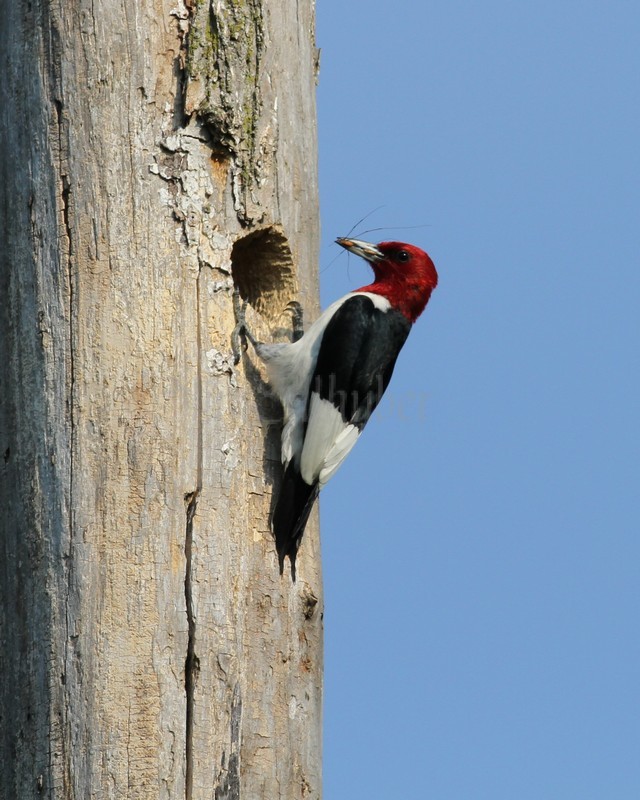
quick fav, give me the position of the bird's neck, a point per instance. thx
(409, 296)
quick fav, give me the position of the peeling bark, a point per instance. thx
(152, 154)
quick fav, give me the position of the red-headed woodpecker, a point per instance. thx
(331, 379)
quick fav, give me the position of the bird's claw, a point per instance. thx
(297, 320)
(239, 333)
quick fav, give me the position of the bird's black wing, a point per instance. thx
(357, 355)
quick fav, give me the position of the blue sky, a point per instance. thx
(481, 543)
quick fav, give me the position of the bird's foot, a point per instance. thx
(297, 320)
(241, 332)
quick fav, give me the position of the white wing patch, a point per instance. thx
(340, 450)
(327, 442)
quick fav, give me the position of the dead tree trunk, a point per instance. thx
(152, 152)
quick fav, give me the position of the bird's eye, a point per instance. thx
(403, 256)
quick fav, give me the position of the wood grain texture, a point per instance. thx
(149, 647)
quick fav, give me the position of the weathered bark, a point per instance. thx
(151, 153)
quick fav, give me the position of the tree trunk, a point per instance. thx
(152, 153)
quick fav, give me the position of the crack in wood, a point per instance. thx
(192, 663)
(60, 157)
(228, 782)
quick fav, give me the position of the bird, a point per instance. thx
(330, 380)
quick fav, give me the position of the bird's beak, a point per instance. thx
(363, 249)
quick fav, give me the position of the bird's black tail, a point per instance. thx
(291, 513)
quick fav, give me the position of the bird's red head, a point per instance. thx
(404, 274)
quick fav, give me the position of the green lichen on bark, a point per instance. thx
(223, 63)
